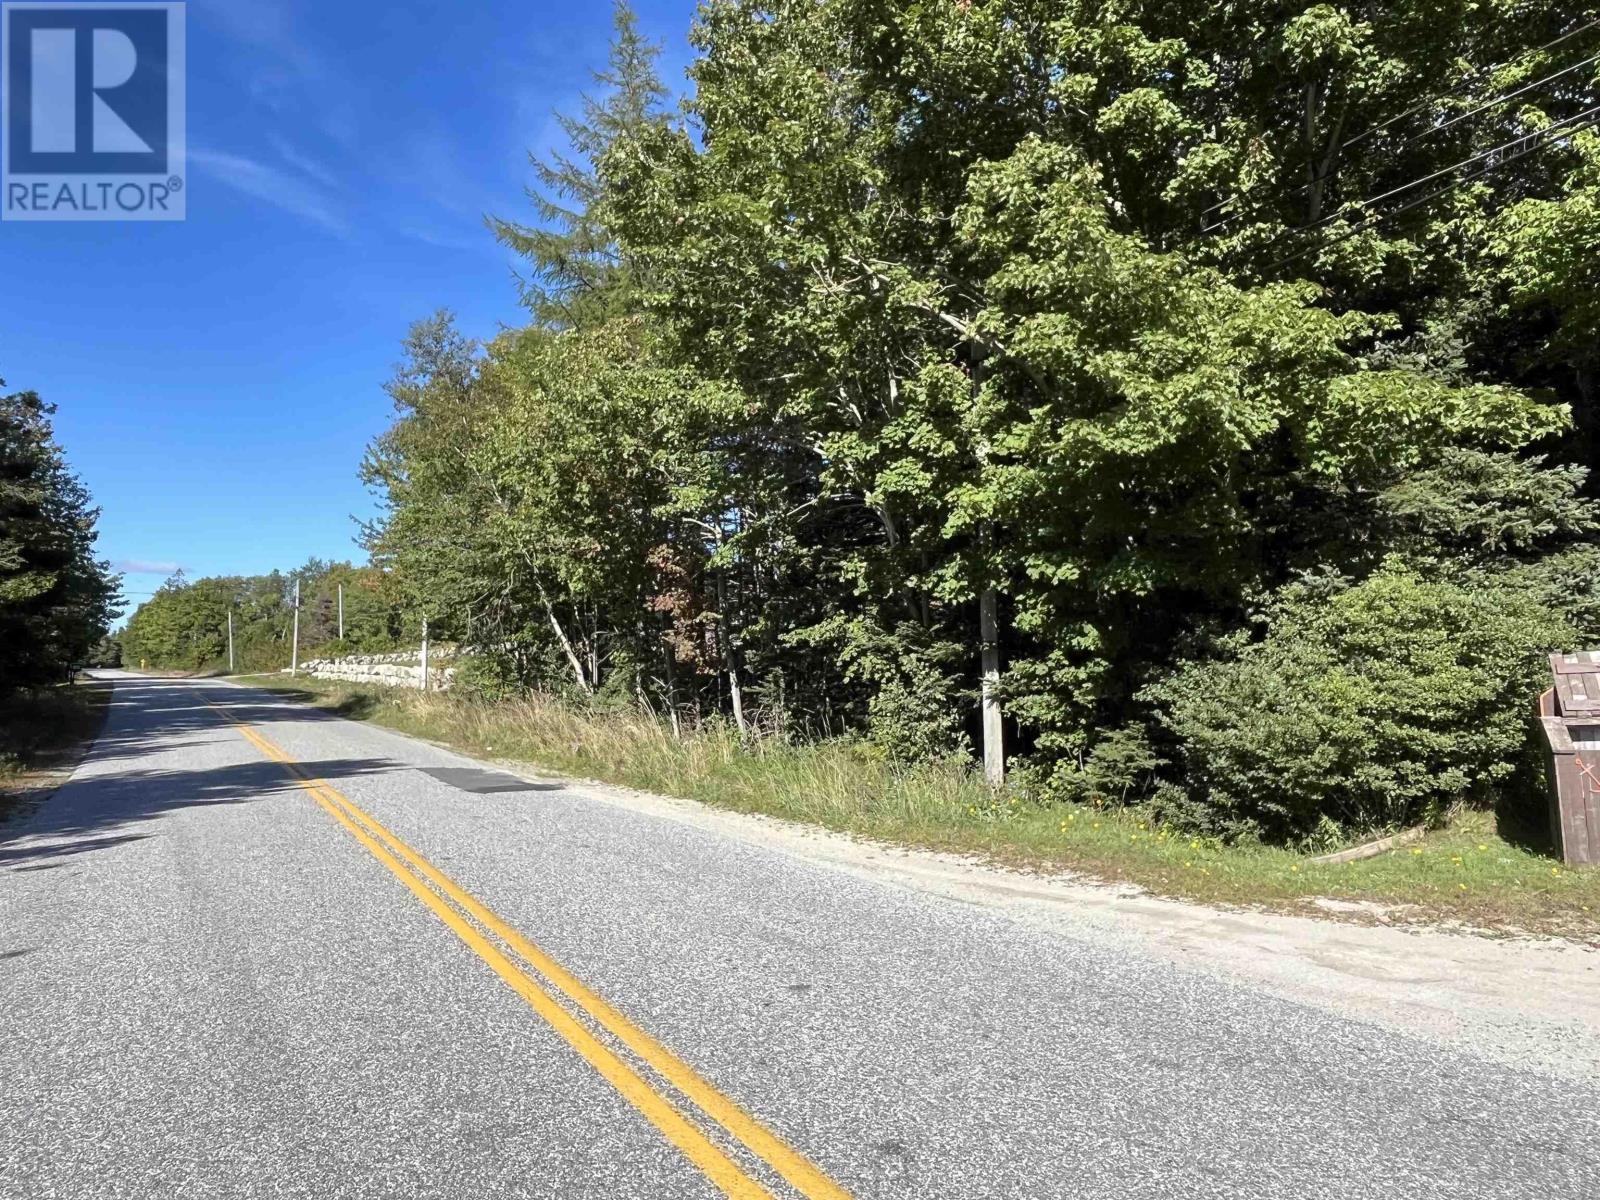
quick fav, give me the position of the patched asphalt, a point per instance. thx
(208, 988)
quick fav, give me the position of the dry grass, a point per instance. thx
(1465, 872)
(836, 784)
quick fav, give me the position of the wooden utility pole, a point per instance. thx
(230, 641)
(424, 653)
(294, 649)
(341, 612)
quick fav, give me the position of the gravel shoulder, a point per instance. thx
(1520, 1001)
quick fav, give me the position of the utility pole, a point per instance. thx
(424, 653)
(994, 752)
(994, 749)
(294, 651)
(341, 612)
(230, 641)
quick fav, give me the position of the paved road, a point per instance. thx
(222, 978)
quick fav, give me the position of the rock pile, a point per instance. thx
(385, 670)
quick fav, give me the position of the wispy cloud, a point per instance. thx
(142, 566)
(286, 73)
(273, 185)
(304, 163)
(481, 243)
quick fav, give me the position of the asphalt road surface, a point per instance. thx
(253, 950)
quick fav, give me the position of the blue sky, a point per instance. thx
(218, 378)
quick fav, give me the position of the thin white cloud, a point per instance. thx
(286, 72)
(304, 163)
(271, 184)
(482, 243)
(142, 566)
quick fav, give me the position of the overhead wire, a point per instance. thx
(1496, 102)
(1432, 100)
(1542, 139)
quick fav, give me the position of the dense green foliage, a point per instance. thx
(184, 626)
(1195, 332)
(1362, 706)
(56, 597)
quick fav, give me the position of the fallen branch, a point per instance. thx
(1371, 849)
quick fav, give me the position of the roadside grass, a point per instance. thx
(41, 732)
(1465, 873)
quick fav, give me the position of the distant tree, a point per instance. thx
(107, 652)
(184, 626)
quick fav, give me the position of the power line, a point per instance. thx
(1435, 99)
(1536, 137)
(1496, 102)
(1425, 134)
(1477, 75)
(1490, 168)
(1491, 152)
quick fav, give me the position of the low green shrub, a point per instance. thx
(1373, 705)
(487, 675)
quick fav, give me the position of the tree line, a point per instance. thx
(1202, 390)
(185, 625)
(57, 598)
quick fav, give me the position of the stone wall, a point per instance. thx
(403, 669)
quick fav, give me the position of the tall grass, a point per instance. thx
(1465, 871)
(837, 784)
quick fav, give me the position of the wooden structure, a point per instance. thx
(1570, 715)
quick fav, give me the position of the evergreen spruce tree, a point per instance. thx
(56, 598)
(578, 275)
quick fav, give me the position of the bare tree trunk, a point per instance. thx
(561, 634)
(736, 697)
(671, 681)
(593, 641)
(994, 749)
(566, 646)
(725, 643)
(1319, 169)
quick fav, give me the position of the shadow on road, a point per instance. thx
(149, 714)
(147, 717)
(357, 707)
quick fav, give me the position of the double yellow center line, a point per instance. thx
(537, 976)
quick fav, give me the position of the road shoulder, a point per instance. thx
(56, 738)
(1524, 1002)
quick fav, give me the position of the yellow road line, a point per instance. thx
(716, 1165)
(789, 1163)
(799, 1171)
